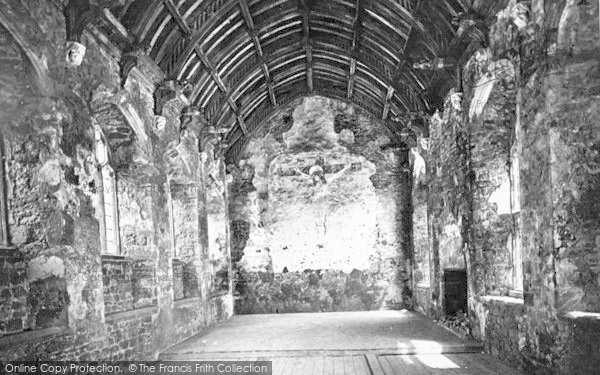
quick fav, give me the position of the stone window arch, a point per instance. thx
(107, 194)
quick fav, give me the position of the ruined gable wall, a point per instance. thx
(299, 247)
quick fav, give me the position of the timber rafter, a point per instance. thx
(208, 64)
(305, 9)
(356, 33)
(258, 48)
(244, 58)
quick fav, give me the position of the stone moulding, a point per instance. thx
(32, 336)
(218, 294)
(11, 253)
(575, 315)
(113, 258)
(188, 302)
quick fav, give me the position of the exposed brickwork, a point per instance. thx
(13, 295)
(241, 233)
(48, 303)
(117, 278)
(143, 283)
(190, 280)
(177, 279)
(447, 209)
(185, 203)
(309, 291)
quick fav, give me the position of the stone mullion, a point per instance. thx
(5, 242)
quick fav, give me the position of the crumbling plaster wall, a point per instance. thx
(300, 245)
(546, 116)
(57, 271)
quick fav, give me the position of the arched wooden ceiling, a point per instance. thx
(247, 58)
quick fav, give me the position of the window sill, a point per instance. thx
(576, 315)
(515, 294)
(113, 258)
(188, 302)
(11, 253)
(124, 315)
(219, 294)
(502, 299)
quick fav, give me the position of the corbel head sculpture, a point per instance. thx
(75, 53)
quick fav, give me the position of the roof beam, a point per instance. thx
(305, 7)
(214, 74)
(259, 51)
(388, 99)
(391, 90)
(118, 26)
(209, 65)
(172, 8)
(356, 33)
(403, 96)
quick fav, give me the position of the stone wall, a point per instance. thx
(117, 278)
(512, 174)
(13, 293)
(67, 299)
(447, 211)
(312, 241)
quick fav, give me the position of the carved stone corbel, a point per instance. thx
(438, 63)
(170, 90)
(137, 56)
(130, 60)
(193, 120)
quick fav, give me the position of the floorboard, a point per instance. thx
(348, 343)
(426, 364)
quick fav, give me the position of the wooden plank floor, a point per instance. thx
(427, 364)
(475, 364)
(344, 343)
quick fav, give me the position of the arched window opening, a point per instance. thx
(107, 190)
(5, 242)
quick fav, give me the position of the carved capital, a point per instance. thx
(137, 57)
(128, 61)
(170, 90)
(193, 120)
(408, 136)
